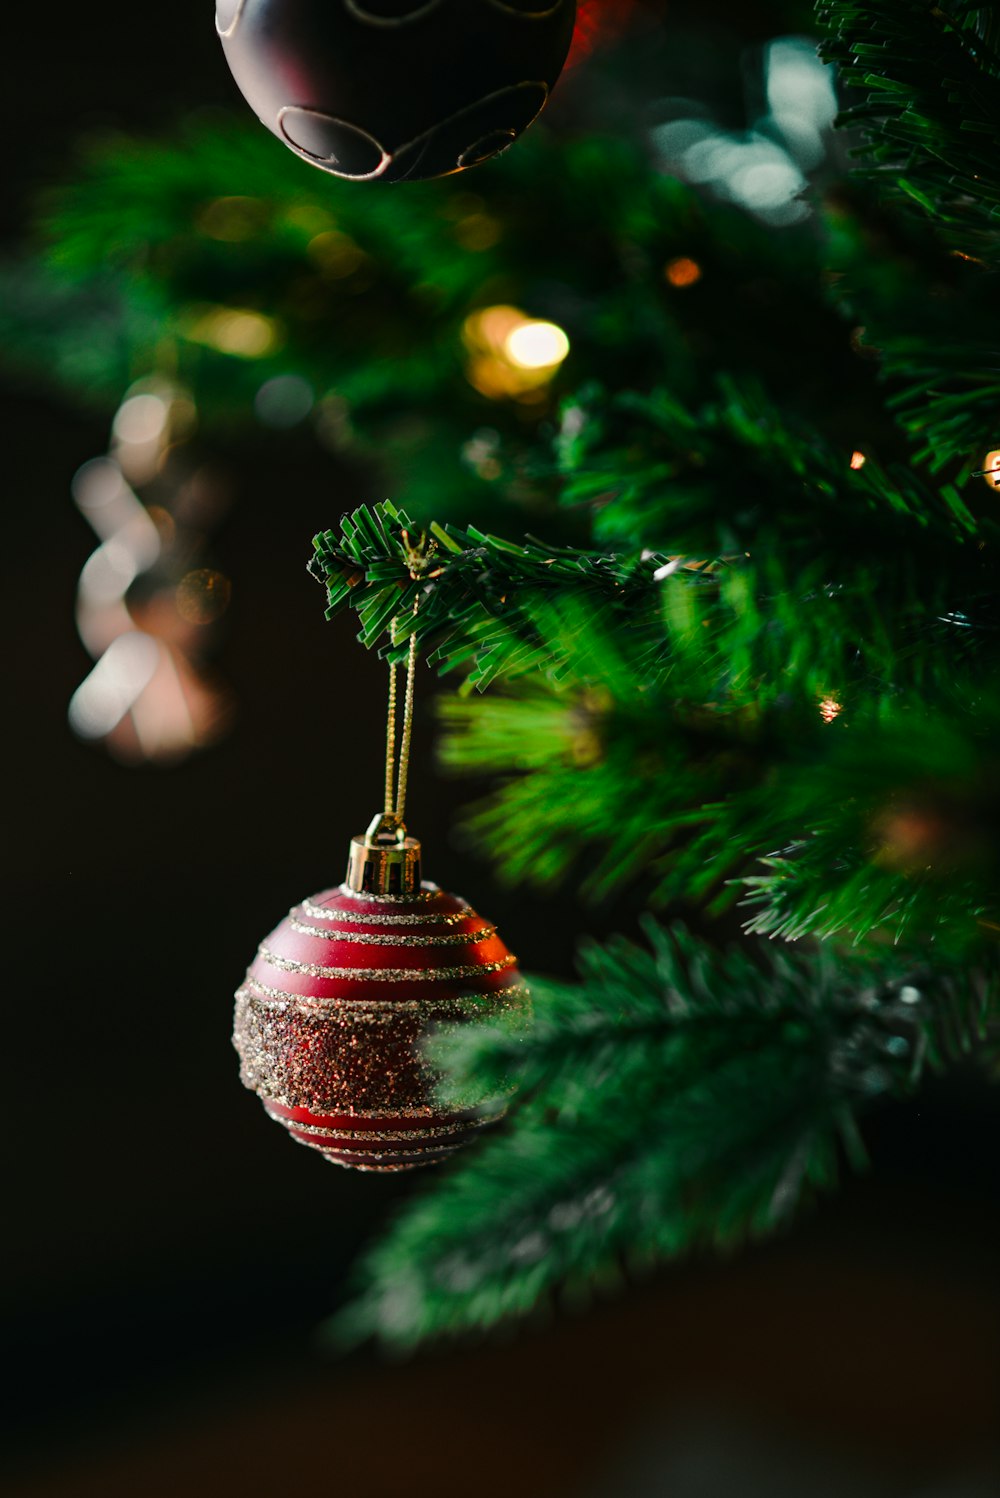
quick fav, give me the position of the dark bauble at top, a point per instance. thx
(396, 90)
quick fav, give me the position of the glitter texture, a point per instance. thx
(375, 1011)
(335, 1050)
(463, 912)
(410, 939)
(427, 1135)
(383, 974)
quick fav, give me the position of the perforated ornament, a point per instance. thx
(335, 1007)
(395, 90)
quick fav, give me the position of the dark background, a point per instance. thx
(170, 1256)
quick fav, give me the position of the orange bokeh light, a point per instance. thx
(991, 468)
(682, 271)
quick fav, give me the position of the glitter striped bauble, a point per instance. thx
(333, 1010)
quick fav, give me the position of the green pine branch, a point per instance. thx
(677, 1097)
(773, 683)
(738, 473)
(926, 79)
(687, 724)
(828, 810)
(924, 317)
(930, 112)
(467, 597)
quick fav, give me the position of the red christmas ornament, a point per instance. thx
(333, 1010)
(598, 22)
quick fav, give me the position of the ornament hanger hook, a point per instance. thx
(385, 861)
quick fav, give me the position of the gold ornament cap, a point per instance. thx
(384, 861)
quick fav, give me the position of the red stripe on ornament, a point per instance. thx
(319, 951)
(308, 986)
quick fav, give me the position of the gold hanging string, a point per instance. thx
(418, 556)
(390, 740)
(404, 748)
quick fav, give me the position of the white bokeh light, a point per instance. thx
(141, 418)
(114, 685)
(763, 168)
(536, 345)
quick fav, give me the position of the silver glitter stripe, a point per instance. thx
(394, 939)
(386, 974)
(381, 1009)
(410, 1152)
(392, 1158)
(388, 1155)
(428, 1135)
(379, 1169)
(376, 917)
(423, 1111)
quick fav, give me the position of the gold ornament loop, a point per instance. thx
(385, 863)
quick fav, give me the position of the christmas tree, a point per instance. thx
(697, 420)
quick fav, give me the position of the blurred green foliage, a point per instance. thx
(675, 1097)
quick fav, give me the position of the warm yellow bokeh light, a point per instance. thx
(991, 468)
(202, 596)
(830, 708)
(236, 330)
(233, 218)
(512, 355)
(478, 232)
(536, 345)
(857, 460)
(335, 253)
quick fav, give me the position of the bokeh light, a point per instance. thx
(682, 271)
(235, 330)
(801, 96)
(203, 595)
(283, 401)
(512, 355)
(114, 686)
(336, 254)
(991, 468)
(141, 418)
(232, 219)
(477, 232)
(762, 168)
(482, 454)
(536, 345)
(146, 696)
